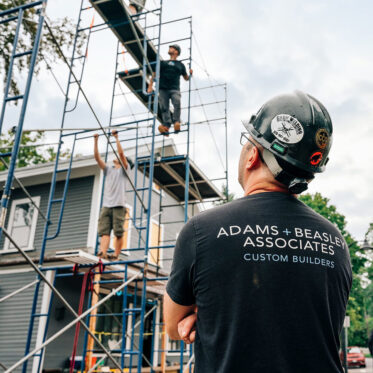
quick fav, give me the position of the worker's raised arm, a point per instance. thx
(150, 86)
(98, 159)
(120, 150)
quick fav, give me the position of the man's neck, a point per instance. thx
(173, 58)
(263, 187)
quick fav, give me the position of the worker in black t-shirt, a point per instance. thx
(261, 284)
(169, 89)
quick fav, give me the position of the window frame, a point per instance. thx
(15, 202)
(170, 352)
(161, 227)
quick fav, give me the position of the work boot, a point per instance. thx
(102, 255)
(177, 127)
(113, 257)
(163, 130)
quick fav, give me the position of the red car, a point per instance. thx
(355, 357)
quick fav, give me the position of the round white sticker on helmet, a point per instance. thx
(287, 128)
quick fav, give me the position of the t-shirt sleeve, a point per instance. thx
(183, 70)
(180, 283)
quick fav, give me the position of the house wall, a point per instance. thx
(58, 352)
(79, 220)
(75, 222)
(171, 220)
(15, 315)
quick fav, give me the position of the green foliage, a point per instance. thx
(369, 234)
(356, 307)
(29, 154)
(368, 291)
(228, 196)
(63, 29)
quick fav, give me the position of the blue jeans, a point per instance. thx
(165, 96)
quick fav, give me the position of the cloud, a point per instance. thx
(260, 49)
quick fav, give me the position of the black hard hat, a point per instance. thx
(177, 47)
(296, 128)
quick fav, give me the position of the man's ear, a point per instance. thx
(252, 158)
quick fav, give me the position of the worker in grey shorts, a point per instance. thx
(113, 211)
(169, 89)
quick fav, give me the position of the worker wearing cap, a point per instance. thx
(169, 89)
(261, 283)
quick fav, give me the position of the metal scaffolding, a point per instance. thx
(177, 175)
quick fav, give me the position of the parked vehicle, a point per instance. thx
(355, 357)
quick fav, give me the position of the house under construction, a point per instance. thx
(62, 307)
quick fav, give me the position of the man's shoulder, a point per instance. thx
(311, 212)
(181, 64)
(266, 205)
(205, 217)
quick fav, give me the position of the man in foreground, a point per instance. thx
(169, 89)
(270, 277)
(113, 209)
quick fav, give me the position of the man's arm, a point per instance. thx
(186, 76)
(173, 313)
(179, 300)
(98, 159)
(120, 150)
(150, 86)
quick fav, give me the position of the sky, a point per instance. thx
(259, 49)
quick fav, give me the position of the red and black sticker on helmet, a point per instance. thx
(316, 158)
(322, 138)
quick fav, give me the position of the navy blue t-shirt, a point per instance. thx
(170, 74)
(271, 280)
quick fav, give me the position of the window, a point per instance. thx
(156, 232)
(174, 347)
(22, 224)
(127, 232)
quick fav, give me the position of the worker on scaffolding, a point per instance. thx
(270, 276)
(113, 211)
(136, 6)
(169, 89)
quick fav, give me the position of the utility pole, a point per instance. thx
(346, 325)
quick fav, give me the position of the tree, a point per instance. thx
(356, 308)
(29, 154)
(63, 29)
(368, 291)
(228, 196)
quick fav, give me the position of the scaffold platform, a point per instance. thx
(113, 271)
(133, 79)
(169, 173)
(117, 16)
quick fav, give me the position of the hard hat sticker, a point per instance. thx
(316, 158)
(287, 129)
(322, 138)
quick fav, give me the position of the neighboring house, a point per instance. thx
(79, 231)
